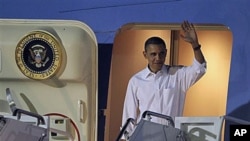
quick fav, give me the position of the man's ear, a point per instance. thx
(144, 54)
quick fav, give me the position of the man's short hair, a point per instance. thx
(154, 40)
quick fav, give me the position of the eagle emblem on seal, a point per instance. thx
(38, 56)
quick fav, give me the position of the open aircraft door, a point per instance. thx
(50, 69)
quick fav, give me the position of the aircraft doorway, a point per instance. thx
(206, 98)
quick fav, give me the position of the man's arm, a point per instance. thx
(198, 53)
(130, 107)
(190, 36)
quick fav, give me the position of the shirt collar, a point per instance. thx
(147, 72)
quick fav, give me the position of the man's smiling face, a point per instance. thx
(156, 55)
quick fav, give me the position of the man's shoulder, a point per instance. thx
(173, 68)
(140, 74)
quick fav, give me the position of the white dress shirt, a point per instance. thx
(163, 92)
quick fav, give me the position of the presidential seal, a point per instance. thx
(39, 55)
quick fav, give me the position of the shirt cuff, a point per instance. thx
(198, 66)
